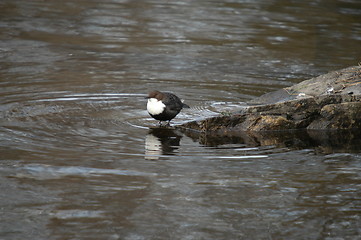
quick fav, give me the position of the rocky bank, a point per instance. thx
(330, 101)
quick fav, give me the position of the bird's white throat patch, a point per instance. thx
(154, 106)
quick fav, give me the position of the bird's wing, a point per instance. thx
(173, 102)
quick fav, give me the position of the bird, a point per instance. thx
(164, 106)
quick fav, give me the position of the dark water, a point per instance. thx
(81, 159)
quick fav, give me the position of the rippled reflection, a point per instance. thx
(161, 141)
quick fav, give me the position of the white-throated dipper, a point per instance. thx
(164, 106)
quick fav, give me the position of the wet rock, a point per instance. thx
(330, 101)
(345, 81)
(322, 141)
(339, 116)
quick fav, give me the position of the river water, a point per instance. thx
(80, 158)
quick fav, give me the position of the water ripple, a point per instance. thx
(45, 172)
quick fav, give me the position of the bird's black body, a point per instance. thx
(168, 105)
(173, 105)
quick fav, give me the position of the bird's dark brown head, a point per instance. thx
(156, 94)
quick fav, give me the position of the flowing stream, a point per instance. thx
(80, 158)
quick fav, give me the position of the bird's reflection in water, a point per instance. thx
(161, 141)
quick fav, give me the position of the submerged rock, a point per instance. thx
(330, 101)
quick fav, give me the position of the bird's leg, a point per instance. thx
(168, 123)
(160, 123)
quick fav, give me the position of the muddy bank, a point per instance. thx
(329, 102)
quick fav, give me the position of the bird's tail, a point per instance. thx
(185, 105)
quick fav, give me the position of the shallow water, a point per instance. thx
(81, 159)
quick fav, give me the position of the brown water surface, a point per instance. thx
(81, 159)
